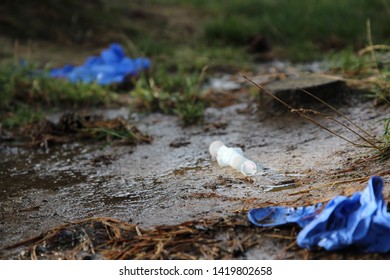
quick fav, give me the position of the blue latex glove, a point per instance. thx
(361, 220)
(111, 67)
(279, 215)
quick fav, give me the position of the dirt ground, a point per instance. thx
(173, 179)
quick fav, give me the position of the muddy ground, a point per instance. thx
(173, 179)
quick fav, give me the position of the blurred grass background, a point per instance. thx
(181, 37)
(298, 30)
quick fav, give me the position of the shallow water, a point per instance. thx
(149, 184)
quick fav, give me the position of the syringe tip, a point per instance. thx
(248, 168)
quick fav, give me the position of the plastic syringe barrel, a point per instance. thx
(232, 157)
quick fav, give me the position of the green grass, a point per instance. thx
(181, 37)
(26, 92)
(22, 115)
(348, 62)
(65, 21)
(147, 96)
(172, 93)
(130, 135)
(298, 30)
(381, 92)
(372, 68)
(190, 107)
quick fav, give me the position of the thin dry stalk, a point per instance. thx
(88, 242)
(369, 39)
(280, 236)
(331, 184)
(303, 114)
(282, 254)
(386, 6)
(139, 233)
(345, 117)
(372, 48)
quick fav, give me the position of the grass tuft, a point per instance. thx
(172, 93)
(26, 91)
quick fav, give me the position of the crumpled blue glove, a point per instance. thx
(111, 67)
(279, 215)
(361, 220)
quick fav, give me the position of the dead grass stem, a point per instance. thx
(369, 140)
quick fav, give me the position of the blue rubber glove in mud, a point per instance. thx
(279, 215)
(361, 220)
(111, 67)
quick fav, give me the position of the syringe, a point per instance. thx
(233, 157)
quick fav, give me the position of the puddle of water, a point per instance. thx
(23, 171)
(167, 182)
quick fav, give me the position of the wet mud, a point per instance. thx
(173, 179)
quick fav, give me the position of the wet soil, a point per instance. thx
(173, 179)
